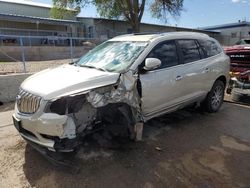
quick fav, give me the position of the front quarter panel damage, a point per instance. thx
(116, 107)
(119, 107)
(125, 92)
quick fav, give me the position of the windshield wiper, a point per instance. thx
(93, 67)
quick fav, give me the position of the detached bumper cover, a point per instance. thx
(50, 131)
(49, 144)
(32, 136)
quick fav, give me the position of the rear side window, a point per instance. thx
(209, 47)
(189, 50)
(166, 52)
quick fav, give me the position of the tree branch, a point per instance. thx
(142, 7)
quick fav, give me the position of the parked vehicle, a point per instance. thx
(243, 42)
(240, 56)
(121, 83)
(239, 84)
(241, 88)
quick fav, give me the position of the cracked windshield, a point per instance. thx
(113, 56)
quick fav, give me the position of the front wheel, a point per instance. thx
(215, 97)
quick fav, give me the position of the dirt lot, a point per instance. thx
(31, 66)
(184, 149)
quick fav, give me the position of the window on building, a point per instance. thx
(91, 32)
(129, 30)
(234, 35)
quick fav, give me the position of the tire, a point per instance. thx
(215, 97)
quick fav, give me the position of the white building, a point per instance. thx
(22, 7)
(24, 17)
(27, 8)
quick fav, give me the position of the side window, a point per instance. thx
(189, 50)
(209, 47)
(166, 52)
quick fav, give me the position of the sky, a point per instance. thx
(196, 13)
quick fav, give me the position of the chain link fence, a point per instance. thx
(23, 54)
(28, 54)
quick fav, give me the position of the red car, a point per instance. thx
(240, 70)
(240, 56)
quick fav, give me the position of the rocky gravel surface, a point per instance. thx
(31, 66)
(186, 148)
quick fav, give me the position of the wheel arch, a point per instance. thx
(223, 79)
(206, 104)
(118, 115)
(220, 78)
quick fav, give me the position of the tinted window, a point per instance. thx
(210, 48)
(243, 41)
(246, 41)
(238, 42)
(189, 50)
(166, 52)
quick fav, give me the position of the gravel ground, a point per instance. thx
(7, 106)
(183, 149)
(31, 66)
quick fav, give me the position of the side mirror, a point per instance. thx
(151, 64)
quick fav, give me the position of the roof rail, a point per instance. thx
(147, 33)
(143, 33)
(164, 33)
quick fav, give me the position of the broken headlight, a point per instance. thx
(65, 105)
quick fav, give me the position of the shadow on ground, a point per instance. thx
(182, 149)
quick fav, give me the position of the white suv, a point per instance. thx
(119, 84)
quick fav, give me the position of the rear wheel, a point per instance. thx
(215, 97)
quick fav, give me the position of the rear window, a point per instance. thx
(247, 41)
(242, 42)
(209, 47)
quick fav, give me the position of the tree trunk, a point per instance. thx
(135, 18)
(135, 24)
(133, 13)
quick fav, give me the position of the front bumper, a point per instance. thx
(52, 131)
(241, 95)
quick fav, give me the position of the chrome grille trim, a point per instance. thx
(27, 103)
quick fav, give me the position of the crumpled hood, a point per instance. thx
(67, 79)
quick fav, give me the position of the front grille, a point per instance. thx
(27, 103)
(239, 56)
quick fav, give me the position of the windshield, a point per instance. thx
(244, 41)
(247, 41)
(113, 56)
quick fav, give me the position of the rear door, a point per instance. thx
(193, 70)
(212, 61)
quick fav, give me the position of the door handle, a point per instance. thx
(207, 70)
(178, 78)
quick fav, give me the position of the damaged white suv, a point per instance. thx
(121, 83)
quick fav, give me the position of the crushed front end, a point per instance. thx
(60, 124)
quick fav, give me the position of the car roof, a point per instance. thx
(150, 37)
